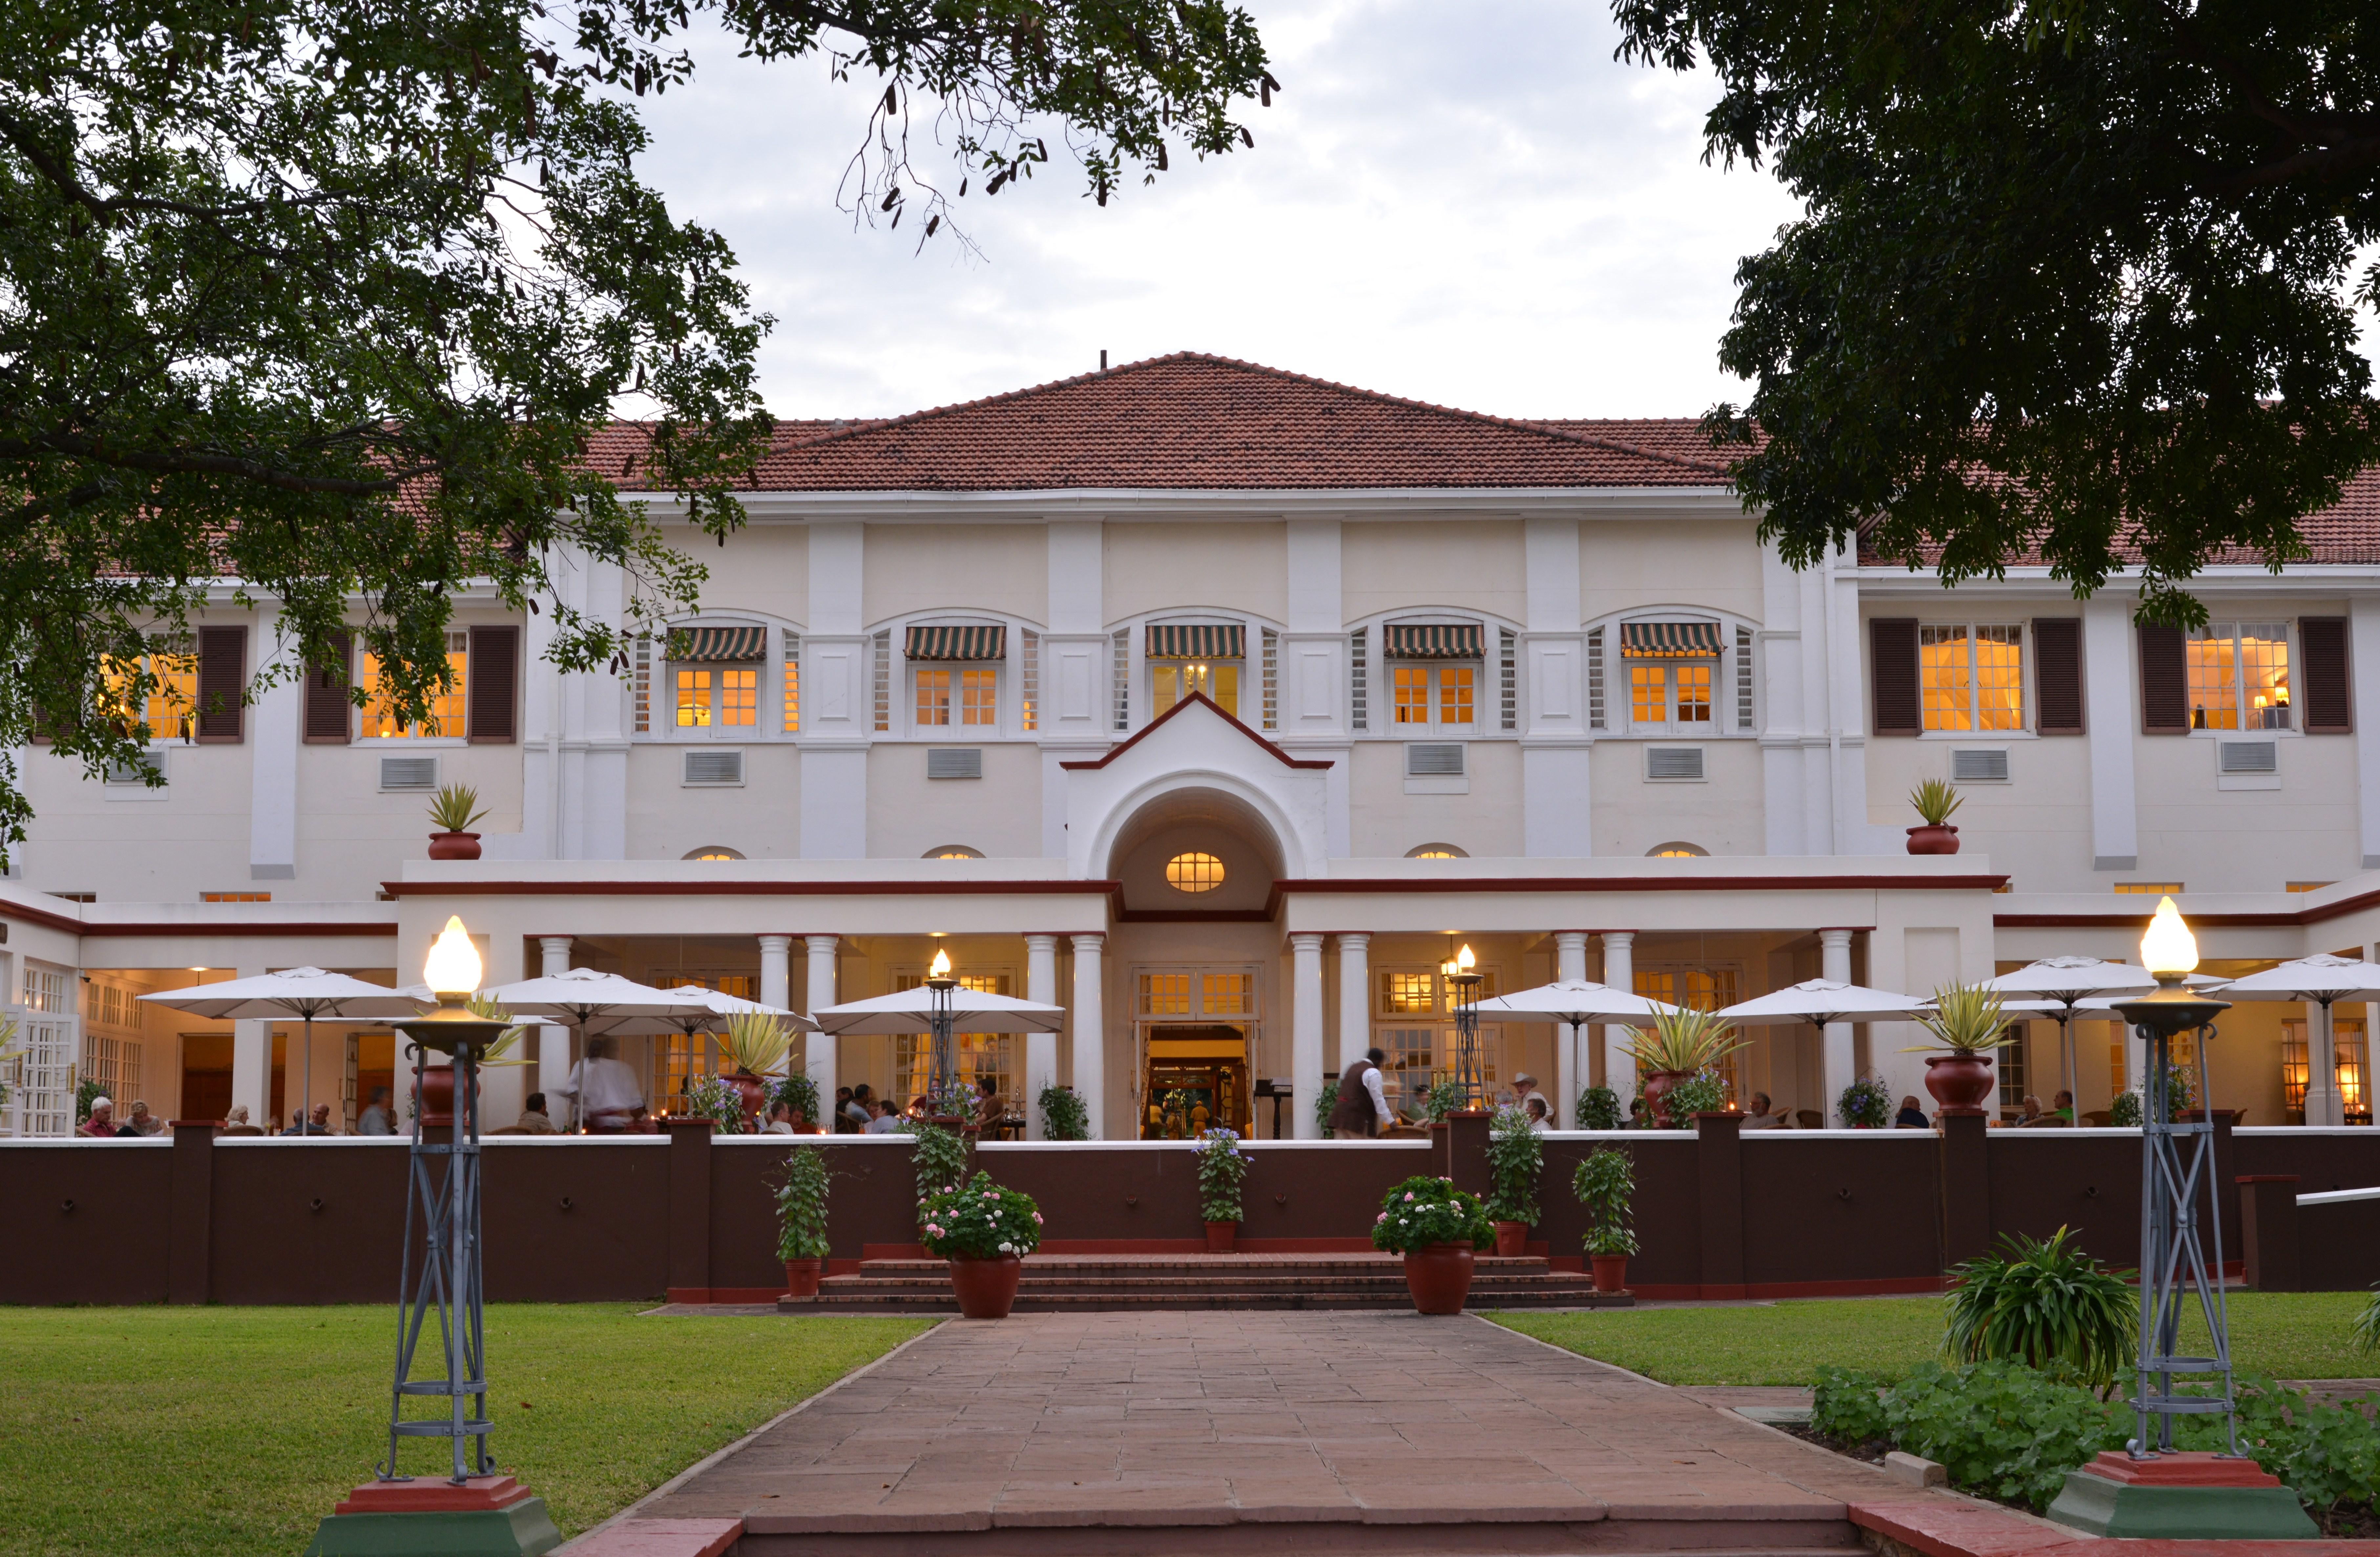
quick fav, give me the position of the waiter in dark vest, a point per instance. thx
(1363, 1108)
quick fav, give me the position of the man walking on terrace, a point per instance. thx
(1362, 1106)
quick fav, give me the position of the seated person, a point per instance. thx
(2029, 1114)
(236, 1122)
(881, 1120)
(857, 1109)
(1637, 1118)
(988, 1109)
(143, 1122)
(534, 1119)
(1760, 1115)
(1911, 1117)
(781, 1119)
(1533, 1105)
(101, 1125)
(2061, 1108)
(318, 1123)
(378, 1119)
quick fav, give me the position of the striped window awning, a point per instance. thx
(1197, 641)
(1433, 641)
(958, 642)
(1668, 640)
(718, 646)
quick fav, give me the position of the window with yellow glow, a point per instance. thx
(1408, 994)
(1193, 873)
(1676, 852)
(446, 708)
(953, 851)
(1170, 681)
(714, 853)
(2349, 1057)
(1972, 677)
(976, 694)
(173, 692)
(1227, 994)
(1673, 692)
(1437, 852)
(2239, 676)
(2151, 889)
(1433, 696)
(724, 698)
(694, 700)
(978, 697)
(793, 711)
(933, 697)
(1165, 995)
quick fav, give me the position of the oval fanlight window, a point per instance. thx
(1193, 873)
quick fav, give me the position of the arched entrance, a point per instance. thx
(1196, 955)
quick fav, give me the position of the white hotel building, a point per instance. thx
(1215, 703)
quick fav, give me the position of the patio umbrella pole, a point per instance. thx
(306, 1074)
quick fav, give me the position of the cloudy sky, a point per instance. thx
(1471, 204)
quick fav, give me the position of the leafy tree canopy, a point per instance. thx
(2076, 279)
(328, 296)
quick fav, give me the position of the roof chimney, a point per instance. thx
(1103, 359)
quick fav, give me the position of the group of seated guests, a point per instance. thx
(858, 1111)
(103, 1125)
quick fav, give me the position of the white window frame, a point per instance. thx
(1974, 731)
(953, 730)
(1670, 725)
(1434, 725)
(715, 731)
(2291, 665)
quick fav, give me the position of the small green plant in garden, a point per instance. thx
(1423, 1211)
(1222, 1167)
(87, 1092)
(2367, 1323)
(1684, 1039)
(1865, 1103)
(939, 1157)
(1604, 1183)
(1063, 1117)
(2044, 1303)
(797, 1091)
(1598, 1109)
(801, 1206)
(1997, 1428)
(454, 808)
(1517, 1155)
(2124, 1113)
(711, 1098)
(980, 1219)
(1967, 1020)
(1937, 801)
(1444, 1098)
(8, 1037)
(1705, 1091)
(1325, 1102)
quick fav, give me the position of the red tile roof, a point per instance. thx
(1193, 422)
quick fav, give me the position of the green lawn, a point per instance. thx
(155, 1432)
(2287, 1335)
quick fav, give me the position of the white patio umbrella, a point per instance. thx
(2318, 980)
(2060, 984)
(1575, 1003)
(705, 1011)
(588, 999)
(310, 995)
(1821, 1001)
(912, 1010)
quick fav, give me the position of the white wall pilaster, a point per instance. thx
(819, 1058)
(838, 663)
(552, 1043)
(777, 989)
(1091, 1031)
(1305, 1030)
(1040, 1048)
(2107, 717)
(1838, 1065)
(1619, 973)
(274, 726)
(2363, 680)
(1569, 1062)
(1354, 1002)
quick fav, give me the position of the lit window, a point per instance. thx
(1671, 693)
(172, 692)
(1408, 994)
(714, 851)
(1436, 851)
(792, 697)
(1228, 994)
(1165, 995)
(2151, 889)
(1972, 678)
(978, 697)
(2308, 886)
(739, 697)
(2349, 1057)
(446, 708)
(235, 897)
(1676, 852)
(1433, 696)
(1170, 681)
(1193, 873)
(694, 699)
(933, 697)
(953, 851)
(2239, 676)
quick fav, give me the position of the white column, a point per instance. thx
(1836, 1063)
(2323, 1105)
(1090, 1032)
(1355, 998)
(1040, 1048)
(252, 1061)
(1619, 973)
(777, 989)
(820, 1055)
(2108, 717)
(552, 1043)
(1305, 1030)
(274, 724)
(1570, 1067)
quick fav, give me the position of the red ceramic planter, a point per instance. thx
(1511, 1239)
(1611, 1272)
(802, 1278)
(1960, 1083)
(438, 1097)
(1933, 839)
(1656, 1091)
(453, 846)
(986, 1288)
(1221, 1235)
(1439, 1278)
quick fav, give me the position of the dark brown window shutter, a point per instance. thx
(223, 678)
(1893, 653)
(2057, 675)
(2323, 684)
(329, 715)
(492, 684)
(2164, 683)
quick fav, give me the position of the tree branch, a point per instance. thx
(193, 462)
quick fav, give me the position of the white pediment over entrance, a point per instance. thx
(1194, 755)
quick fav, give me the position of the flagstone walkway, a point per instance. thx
(1427, 1431)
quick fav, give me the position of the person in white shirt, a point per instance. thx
(375, 1118)
(1759, 1117)
(605, 1091)
(781, 1119)
(884, 1120)
(1534, 1105)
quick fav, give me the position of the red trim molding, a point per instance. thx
(749, 889)
(330, 927)
(1652, 884)
(1153, 727)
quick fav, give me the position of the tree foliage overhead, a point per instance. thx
(329, 296)
(2077, 278)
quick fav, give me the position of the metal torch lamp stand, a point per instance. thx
(943, 1065)
(1467, 1073)
(2177, 1173)
(441, 1278)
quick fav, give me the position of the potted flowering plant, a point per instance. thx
(1684, 1042)
(1865, 1103)
(1434, 1226)
(1517, 1155)
(1222, 1167)
(799, 1094)
(1604, 1184)
(1705, 1091)
(1968, 1023)
(801, 1222)
(985, 1232)
(1326, 1102)
(1598, 1109)
(1063, 1117)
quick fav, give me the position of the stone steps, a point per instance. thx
(1088, 1284)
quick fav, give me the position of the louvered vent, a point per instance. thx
(2248, 756)
(1979, 767)
(408, 773)
(953, 762)
(130, 772)
(1434, 760)
(714, 768)
(1673, 762)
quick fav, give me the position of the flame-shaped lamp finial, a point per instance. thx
(452, 966)
(2169, 947)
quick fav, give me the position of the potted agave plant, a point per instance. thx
(1604, 1184)
(1517, 1155)
(1434, 1226)
(452, 810)
(1684, 1043)
(754, 1043)
(1221, 1168)
(984, 1230)
(1967, 1024)
(1935, 800)
(801, 1221)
